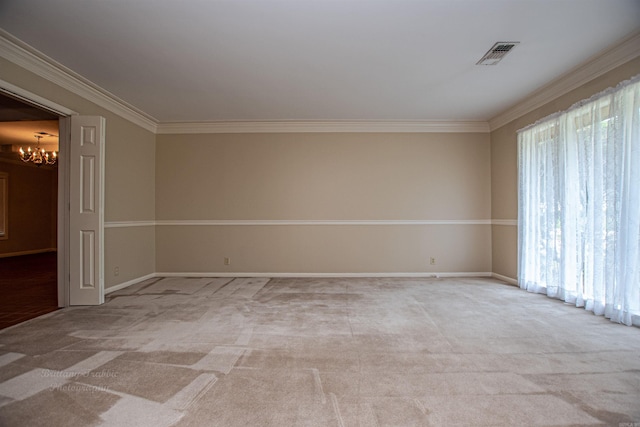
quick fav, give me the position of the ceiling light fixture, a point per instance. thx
(39, 156)
(496, 53)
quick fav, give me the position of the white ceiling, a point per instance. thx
(199, 60)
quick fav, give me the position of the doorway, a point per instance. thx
(29, 218)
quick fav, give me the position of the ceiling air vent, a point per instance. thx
(496, 53)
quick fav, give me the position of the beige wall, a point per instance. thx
(130, 250)
(504, 173)
(129, 177)
(308, 177)
(32, 208)
(323, 177)
(129, 197)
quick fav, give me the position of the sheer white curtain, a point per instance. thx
(579, 204)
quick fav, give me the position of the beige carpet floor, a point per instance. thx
(320, 352)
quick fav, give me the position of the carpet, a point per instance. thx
(320, 352)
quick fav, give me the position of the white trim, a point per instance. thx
(596, 67)
(507, 279)
(30, 252)
(318, 222)
(4, 208)
(64, 214)
(513, 222)
(276, 275)
(224, 222)
(268, 222)
(322, 126)
(27, 57)
(326, 275)
(33, 99)
(122, 224)
(129, 283)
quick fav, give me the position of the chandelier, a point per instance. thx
(38, 156)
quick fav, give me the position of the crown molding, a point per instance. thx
(27, 57)
(323, 126)
(597, 66)
(16, 51)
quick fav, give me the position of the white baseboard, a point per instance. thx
(509, 280)
(320, 275)
(31, 252)
(310, 275)
(129, 283)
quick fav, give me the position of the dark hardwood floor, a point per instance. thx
(28, 287)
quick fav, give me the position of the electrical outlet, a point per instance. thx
(432, 261)
(227, 261)
(116, 271)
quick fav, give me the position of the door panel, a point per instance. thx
(87, 210)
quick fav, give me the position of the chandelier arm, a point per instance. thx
(39, 156)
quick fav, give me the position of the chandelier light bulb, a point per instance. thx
(39, 156)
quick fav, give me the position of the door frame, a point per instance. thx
(64, 214)
(64, 196)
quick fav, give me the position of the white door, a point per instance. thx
(86, 207)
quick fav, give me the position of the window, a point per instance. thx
(579, 204)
